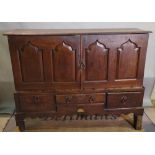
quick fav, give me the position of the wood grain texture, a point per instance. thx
(124, 99)
(128, 60)
(64, 61)
(88, 72)
(32, 69)
(81, 98)
(96, 56)
(36, 102)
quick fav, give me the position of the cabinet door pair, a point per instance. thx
(77, 62)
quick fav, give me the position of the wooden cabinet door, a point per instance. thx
(112, 61)
(45, 62)
(27, 62)
(95, 61)
(65, 60)
(128, 59)
(128, 55)
(31, 63)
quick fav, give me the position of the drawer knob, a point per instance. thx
(80, 110)
(68, 99)
(124, 99)
(91, 99)
(35, 99)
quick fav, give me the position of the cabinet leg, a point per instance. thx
(137, 122)
(20, 122)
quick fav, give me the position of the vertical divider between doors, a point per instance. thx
(81, 76)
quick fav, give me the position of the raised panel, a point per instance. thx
(64, 61)
(46, 47)
(96, 58)
(127, 60)
(31, 63)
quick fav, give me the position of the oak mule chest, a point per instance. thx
(78, 71)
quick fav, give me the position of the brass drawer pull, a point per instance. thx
(91, 99)
(68, 99)
(124, 99)
(35, 99)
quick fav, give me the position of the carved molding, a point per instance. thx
(122, 48)
(30, 45)
(97, 44)
(135, 46)
(64, 57)
(95, 50)
(64, 45)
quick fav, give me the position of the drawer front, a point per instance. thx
(81, 98)
(124, 99)
(36, 102)
(97, 108)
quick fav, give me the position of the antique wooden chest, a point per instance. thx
(89, 71)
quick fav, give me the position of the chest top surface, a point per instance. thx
(74, 31)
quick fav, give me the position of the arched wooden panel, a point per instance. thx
(31, 63)
(127, 60)
(96, 57)
(64, 63)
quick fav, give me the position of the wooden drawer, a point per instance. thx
(93, 109)
(36, 102)
(81, 98)
(124, 99)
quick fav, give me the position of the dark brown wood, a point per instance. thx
(120, 71)
(127, 60)
(34, 102)
(64, 60)
(67, 72)
(20, 121)
(81, 98)
(91, 109)
(55, 63)
(96, 56)
(124, 99)
(31, 69)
